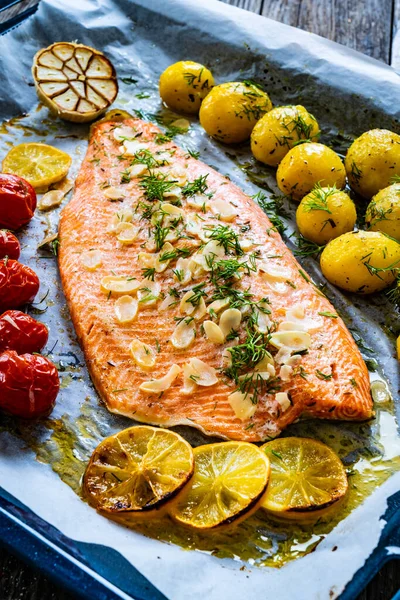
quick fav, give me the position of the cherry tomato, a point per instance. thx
(18, 284)
(9, 245)
(21, 333)
(29, 384)
(17, 201)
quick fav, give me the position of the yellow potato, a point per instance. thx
(363, 262)
(306, 165)
(184, 85)
(231, 110)
(324, 214)
(383, 212)
(372, 160)
(279, 130)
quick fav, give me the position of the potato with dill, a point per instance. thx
(184, 85)
(362, 262)
(372, 161)
(325, 213)
(279, 130)
(307, 164)
(383, 212)
(231, 110)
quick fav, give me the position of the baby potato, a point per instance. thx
(231, 110)
(362, 262)
(306, 165)
(324, 214)
(383, 212)
(278, 130)
(372, 160)
(184, 85)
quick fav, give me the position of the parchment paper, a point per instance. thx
(348, 93)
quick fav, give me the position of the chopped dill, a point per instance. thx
(317, 199)
(227, 238)
(198, 186)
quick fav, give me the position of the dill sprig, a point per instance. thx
(160, 235)
(317, 199)
(307, 247)
(198, 186)
(273, 207)
(356, 172)
(155, 186)
(227, 238)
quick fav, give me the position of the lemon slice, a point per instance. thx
(306, 476)
(137, 469)
(39, 164)
(228, 482)
(76, 82)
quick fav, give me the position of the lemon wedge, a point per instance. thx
(39, 164)
(76, 82)
(137, 469)
(306, 477)
(228, 482)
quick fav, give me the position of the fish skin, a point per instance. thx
(83, 226)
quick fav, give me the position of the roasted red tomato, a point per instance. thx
(9, 245)
(18, 284)
(21, 333)
(17, 201)
(29, 384)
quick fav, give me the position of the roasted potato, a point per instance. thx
(363, 262)
(383, 212)
(372, 161)
(306, 165)
(279, 130)
(324, 214)
(231, 110)
(184, 85)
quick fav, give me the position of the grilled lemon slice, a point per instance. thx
(76, 82)
(39, 164)
(137, 469)
(228, 482)
(306, 477)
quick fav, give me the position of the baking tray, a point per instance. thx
(96, 571)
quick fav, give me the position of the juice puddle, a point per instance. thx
(370, 452)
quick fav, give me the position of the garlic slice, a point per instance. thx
(132, 147)
(273, 273)
(223, 209)
(183, 335)
(143, 355)
(264, 323)
(218, 305)
(121, 216)
(197, 310)
(51, 200)
(200, 372)
(171, 213)
(197, 201)
(92, 259)
(137, 170)
(76, 82)
(230, 321)
(148, 293)
(125, 309)
(294, 340)
(127, 233)
(283, 399)
(114, 193)
(213, 332)
(177, 174)
(124, 132)
(296, 314)
(265, 364)
(285, 372)
(156, 386)
(119, 285)
(242, 405)
(182, 272)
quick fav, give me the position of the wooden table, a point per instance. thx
(370, 26)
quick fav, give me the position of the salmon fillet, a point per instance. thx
(224, 248)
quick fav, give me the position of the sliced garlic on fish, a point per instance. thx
(125, 308)
(147, 260)
(126, 233)
(263, 322)
(137, 170)
(51, 200)
(124, 215)
(148, 293)
(119, 285)
(294, 360)
(124, 132)
(167, 302)
(296, 314)
(200, 372)
(213, 332)
(156, 386)
(218, 305)
(182, 273)
(132, 147)
(164, 157)
(76, 82)
(173, 192)
(143, 355)
(294, 340)
(197, 201)
(283, 399)
(197, 309)
(223, 209)
(177, 174)
(213, 250)
(242, 405)
(184, 335)
(273, 273)
(171, 214)
(285, 372)
(162, 261)
(92, 259)
(230, 321)
(246, 244)
(114, 193)
(265, 363)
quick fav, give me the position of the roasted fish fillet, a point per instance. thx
(188, 305)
